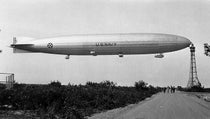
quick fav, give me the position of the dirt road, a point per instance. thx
(162, 106)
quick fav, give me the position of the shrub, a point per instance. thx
(73, 101)
(141, 85)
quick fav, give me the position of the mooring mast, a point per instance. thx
(193, 77)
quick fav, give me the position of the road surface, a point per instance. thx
(162, 106)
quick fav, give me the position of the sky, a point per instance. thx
(49, 18)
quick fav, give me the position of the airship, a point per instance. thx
(103, 44)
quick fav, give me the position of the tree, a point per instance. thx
(107, 84)
(55, 84)
(179, 88)
(141, 85)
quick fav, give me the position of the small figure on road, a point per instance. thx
(171, 89)
(164, 89)
(174, 89)
(168, 89)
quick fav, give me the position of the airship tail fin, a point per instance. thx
(22, 41)
(15, 50)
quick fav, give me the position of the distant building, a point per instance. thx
(8, 80)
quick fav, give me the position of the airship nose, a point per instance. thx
(184, 41)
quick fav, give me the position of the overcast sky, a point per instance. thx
(48, 18)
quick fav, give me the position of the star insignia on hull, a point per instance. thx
(50, 45)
